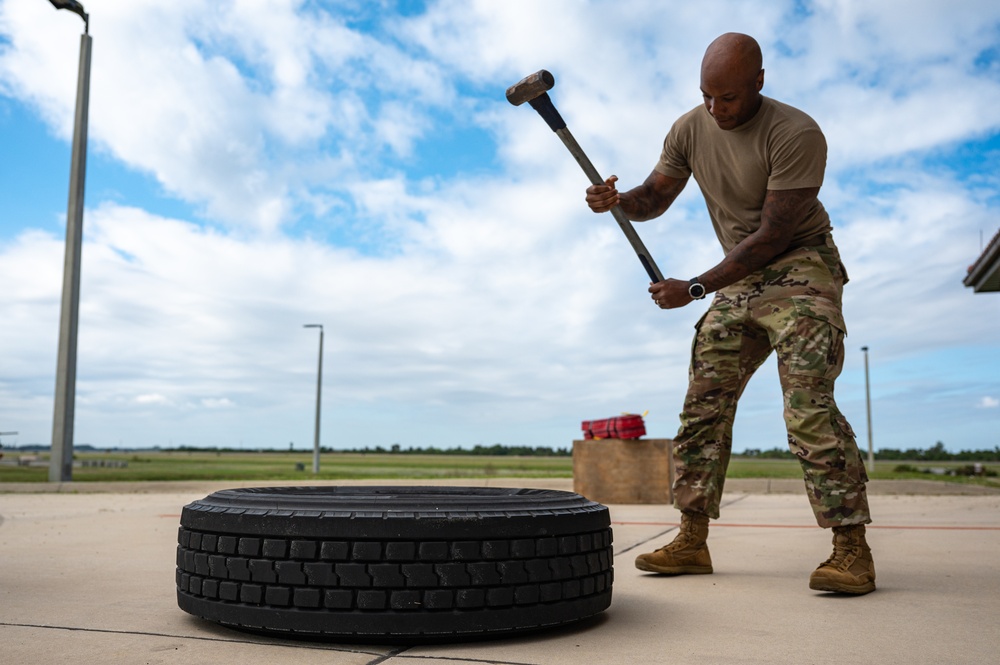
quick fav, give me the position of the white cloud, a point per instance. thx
(989, 403)
(151, 399)
(217, 403)
(225, 103)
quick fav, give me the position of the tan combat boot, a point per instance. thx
(686, 555)
(850, 568)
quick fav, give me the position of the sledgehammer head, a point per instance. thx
(530, 87)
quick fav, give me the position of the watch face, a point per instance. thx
(697, 291)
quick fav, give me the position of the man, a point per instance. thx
(760, 165)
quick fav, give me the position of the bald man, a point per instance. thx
(759, 164)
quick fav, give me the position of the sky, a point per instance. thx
(258, 165)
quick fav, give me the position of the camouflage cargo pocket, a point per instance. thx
(812, 342)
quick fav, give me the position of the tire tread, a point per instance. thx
(406, 589)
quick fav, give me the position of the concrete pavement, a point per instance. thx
(89, 578)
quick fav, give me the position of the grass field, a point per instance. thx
(282, 466)
(201, 465)
(884, 470)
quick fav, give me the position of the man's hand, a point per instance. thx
(602, 198)
(670, 293)
(648, 200)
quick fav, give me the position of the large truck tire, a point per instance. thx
(394, 564)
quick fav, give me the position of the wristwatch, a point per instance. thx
(696, 289)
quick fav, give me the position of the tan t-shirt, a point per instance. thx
(779, 148)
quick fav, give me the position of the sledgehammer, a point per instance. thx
(533, 89)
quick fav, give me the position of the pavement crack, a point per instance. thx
(275, 643)
(398, 652)
(460, 659)
(388, 656)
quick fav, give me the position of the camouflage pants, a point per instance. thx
(793, 307)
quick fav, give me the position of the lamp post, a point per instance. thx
(868, 407)
(61, 459)
(319, 393)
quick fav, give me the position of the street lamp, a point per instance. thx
(868, 406)
(76, 8)
(319, 392)
(61, 459)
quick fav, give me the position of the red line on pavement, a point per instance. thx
(813, 526)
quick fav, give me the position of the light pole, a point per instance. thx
(61, 459)
(319, 393)
(868, 407)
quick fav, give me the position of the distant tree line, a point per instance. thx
(773, 453)
(935, 453)
(496, 450)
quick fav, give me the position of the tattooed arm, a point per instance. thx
(782, 212)
(779, 219)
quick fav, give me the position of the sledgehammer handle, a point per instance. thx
(595, 178)
(532, 89)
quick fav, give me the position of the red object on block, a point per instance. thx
(629, 426)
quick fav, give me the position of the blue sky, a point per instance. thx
(257, 166)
